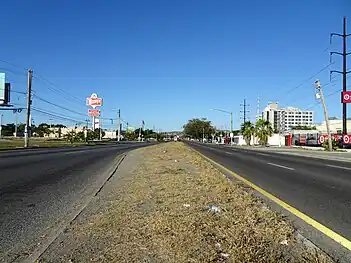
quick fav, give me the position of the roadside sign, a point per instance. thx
(94, 101)
(321, 139)
(346, 138)
(231, 135)
(93, 112)
(346, 97)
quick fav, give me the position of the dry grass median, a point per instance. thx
(175, 207)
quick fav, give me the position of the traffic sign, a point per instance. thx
(346, 138)
(94, 101)
(321, 139)
(93, 112)
(346, 97)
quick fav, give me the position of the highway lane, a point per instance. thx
(319, 188)
(39, 191)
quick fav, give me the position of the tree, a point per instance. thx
(263, 131)
(71, 136)
(196, 128)
(303, 127)
(247, 130)
(131, 136)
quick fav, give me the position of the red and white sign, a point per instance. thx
(346, 97)
(346, 138)
(93, 112)
(94, 101)
(322, 138)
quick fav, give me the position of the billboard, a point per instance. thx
(2, 88)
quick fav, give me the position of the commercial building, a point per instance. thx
(283, 119)
(334, 125)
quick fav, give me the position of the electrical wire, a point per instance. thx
(58, 116)
(13, 64)
(59, 106)
(310, 78)
(54, 88)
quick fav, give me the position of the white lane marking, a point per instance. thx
(281, 166)
(263, 154)
(340, 167)
(229, 153)
(76, 152)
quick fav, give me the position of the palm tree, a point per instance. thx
(263, 131)
(247, 130)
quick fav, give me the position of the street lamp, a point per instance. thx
(231, 117)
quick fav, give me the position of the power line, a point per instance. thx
(57, 116)
(56, 105)
(59, 90)
(310, 78)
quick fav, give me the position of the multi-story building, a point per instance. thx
(283, 119)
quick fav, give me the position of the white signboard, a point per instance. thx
(97, 123)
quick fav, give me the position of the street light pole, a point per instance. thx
(231, 117)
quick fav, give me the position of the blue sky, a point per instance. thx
(168, 61)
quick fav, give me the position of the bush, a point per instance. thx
(334, 144)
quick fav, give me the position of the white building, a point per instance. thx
(334, 125)
(285, 118)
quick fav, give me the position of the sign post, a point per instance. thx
(94, 101)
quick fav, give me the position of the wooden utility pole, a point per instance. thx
(29, 103)
(326, 117)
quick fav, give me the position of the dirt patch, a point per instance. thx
(175, 207)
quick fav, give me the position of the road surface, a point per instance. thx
(319, 188)
(40, 189)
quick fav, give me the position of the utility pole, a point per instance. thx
(244, 111)
(0, 125)
(100, 128)
(29, 103)
(258, 109)
(231, 121)
(344, 72)
(326, 117)
(203, 134)
(119, 124)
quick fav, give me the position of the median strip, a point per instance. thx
(167, 204)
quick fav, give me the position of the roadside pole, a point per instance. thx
(203, 134)
(0, 125)
(320, 91)
(119, 124)
(100, 128)
(29, 102)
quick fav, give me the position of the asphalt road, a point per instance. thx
(39, 189)
(319, 188)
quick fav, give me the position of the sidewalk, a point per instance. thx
(166, 204)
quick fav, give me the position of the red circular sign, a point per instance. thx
(321, 139)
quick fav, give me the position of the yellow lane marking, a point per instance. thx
(328, 232)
